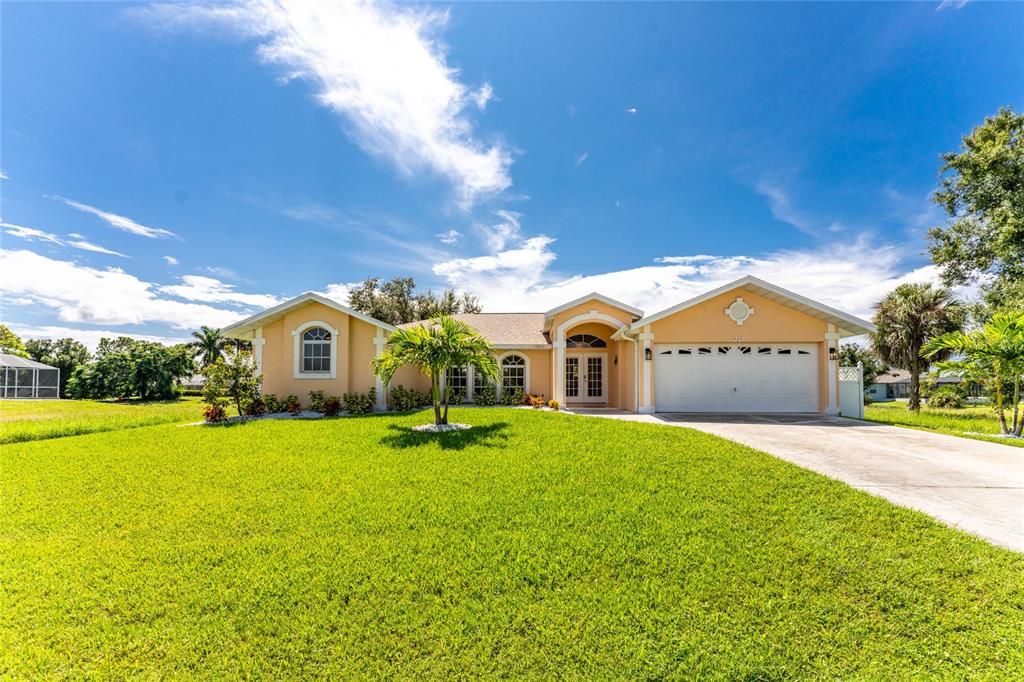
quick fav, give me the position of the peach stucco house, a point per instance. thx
(749, 346)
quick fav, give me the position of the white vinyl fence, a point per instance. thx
(851, 391)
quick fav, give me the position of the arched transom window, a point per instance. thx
(513, 372)
(316, 350)
(584, 341)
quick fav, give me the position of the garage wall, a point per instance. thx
(771, 323)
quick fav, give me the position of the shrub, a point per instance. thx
(273, 403)
(451, 397)
(535, 401)
(868, 399)
(215, 412)
(254, 407)
(486, 396)
(360, 403)
(332, 406)
(946, 398)
(292, 404)
(554, 405)
(316, 401)
(235, 377)
(512, 396)
(408, 398)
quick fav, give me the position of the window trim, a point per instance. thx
(526, 370)
(597, 341)
(297, 333)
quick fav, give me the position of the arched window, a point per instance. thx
(513, 372)
(584, 341)
(316, 350)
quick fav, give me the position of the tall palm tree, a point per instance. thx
(908, 318)
(209, 344)
(445, 342)
(994, 352)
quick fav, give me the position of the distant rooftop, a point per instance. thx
(8, 360)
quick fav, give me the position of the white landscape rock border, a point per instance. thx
(441, 428)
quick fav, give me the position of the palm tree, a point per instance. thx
(210, 344)
(905, 320)
(995, 352)
(445, 342)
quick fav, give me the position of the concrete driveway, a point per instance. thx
(972, 485)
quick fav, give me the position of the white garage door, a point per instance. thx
(736, 378)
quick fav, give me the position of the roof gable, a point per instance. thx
(844, 322)
(239, 329)
(594, 296)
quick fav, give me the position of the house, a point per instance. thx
(895, 385)
(749, 346)
(24, 378)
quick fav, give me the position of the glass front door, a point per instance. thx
(585, 378)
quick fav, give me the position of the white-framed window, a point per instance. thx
(457, 379)
(585, 341)
(513, 373)
(315, 351)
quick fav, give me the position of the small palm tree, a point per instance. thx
(908, 318)
(995, 352)
(209, 344)
(445, 342)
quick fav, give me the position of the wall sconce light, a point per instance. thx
(616, 360)
(647, 353)
(832, 354)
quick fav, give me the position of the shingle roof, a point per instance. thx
(505, 329)
(7, 360)
(902, 376)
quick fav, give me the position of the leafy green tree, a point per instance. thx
(905, 320)
(982, 192)
(11, 343)
(209, 346)
(433, 348)
(996, 352)
(396, 301)
(851, 353)
(65, 354)
(234, 376)
(125, 368)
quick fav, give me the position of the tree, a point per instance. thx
(125, 367)
(433, 348)
(851, 353)
(982, 192)
(234, 376)
(10, 343)
(396, 302)
(65, 354)
(209, 345)
(996, 352)
(905, 320)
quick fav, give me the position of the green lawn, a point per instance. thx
(968, 421)
(22, 420)
(534, 545)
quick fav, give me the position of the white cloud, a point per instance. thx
(581, 158)
(955, 4)
(381, 66)
(118, 221)
(498, 236)
(782, 206)
(171, 260)
(210, 290)
(631, 110)
(90, 337)
(340, 292)
(106, 296)
(221, 271)
(32, 234)
(449, 237)
(851, 277)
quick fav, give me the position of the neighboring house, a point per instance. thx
(749, 346)
(194, 382)
(24, 378)
(895, 385)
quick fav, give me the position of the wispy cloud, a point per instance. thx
(449, 237)
(171, 260)
(210, 290)
(384, 68)
(782, 207)
(632, 111)
(224, 272)
(581, 158)
(78, 242)
(498, 236)
(4, 176)
(951, 4)
(119, 222)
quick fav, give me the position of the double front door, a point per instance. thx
(585, 380)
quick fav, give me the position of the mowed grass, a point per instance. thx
(971, 422)
(533, 545)
(22, 420)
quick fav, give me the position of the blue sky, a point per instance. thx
(170, 166)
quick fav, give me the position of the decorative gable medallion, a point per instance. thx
(738, 311)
